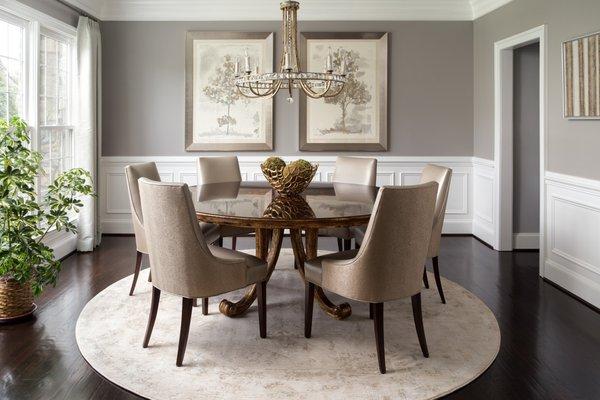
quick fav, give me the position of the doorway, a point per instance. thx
(508, 189)
(526, 147)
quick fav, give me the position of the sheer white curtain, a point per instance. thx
(88, 133)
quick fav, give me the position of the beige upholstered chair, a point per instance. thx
(441, 175)
(389, 264)
(222, 170)
(183, 264)
(132, 174)
(354, 171)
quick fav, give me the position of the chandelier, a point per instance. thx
(316, 85)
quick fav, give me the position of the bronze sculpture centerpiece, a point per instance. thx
(291, 179)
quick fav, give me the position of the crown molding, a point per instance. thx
(482, 7)
(267, 10)
(92, 7)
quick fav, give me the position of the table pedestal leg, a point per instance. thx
(339, 312)
(270, 254)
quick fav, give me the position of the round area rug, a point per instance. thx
(226, 358)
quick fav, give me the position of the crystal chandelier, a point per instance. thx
(316, 85)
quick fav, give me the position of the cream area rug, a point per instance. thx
(226, 358)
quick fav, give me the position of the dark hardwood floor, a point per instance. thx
(550, 341)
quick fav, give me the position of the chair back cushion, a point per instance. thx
(389, 264)
(132, 174)
(443, 176)
(218, 170)
(355, 170)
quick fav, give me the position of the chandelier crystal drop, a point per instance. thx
(316, 85)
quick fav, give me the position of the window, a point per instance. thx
(37, 55)
(55, 130)
(12, 66)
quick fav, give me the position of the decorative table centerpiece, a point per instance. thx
(290, 179)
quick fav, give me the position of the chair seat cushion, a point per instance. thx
(342, 233)
(229, 231)
(313, 269)
(359, 234)
(210, 231)
(256, 269)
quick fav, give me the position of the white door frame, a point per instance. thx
(503, 135)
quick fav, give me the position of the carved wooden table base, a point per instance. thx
(270, 253)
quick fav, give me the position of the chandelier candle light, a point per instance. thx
(316, 85)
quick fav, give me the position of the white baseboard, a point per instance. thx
(585, 289)
(526, 241)
(63, 243)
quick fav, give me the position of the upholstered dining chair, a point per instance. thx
(132, 174)
(354, 171)
(183, 264)
(441, 175)
(389, 264)
(222, 170)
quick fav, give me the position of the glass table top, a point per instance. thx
(257, 200)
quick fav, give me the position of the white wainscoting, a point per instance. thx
(573, 235)
(114, 203)
(484, 176)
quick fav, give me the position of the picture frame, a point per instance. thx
(581, 77)
(217, 116)
(356, 122)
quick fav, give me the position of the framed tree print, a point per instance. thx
(356, 119)
(217, 116)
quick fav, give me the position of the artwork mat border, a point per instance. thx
(564, 78)
(382, 91)
(190, 146)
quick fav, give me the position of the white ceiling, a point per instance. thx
(310, 10)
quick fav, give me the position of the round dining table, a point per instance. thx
(256, 205)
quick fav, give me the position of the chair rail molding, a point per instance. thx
(573, 235)
(115, 216)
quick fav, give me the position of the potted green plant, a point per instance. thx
(26, 263)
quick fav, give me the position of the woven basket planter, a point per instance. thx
(16, 300)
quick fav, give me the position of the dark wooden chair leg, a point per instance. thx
(371, 311)
(205, 306)
(438, 280)
(150, 276)
(309, 296)
(347, 244)
(262, 308)
(418, 317)
(340, 246)
(136, 272)
(152, 316)
(220, 241)
(233, 242)
(378, 324)
(186, 317)
(425, 280)
(195, 303)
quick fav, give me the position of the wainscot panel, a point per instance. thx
(114, 204)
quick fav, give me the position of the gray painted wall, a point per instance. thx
(526, 139)
(54, 9)
(430, 86)
(572, 145)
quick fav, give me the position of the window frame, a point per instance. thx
(13, 19)
(71, 93)
(35, 24)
